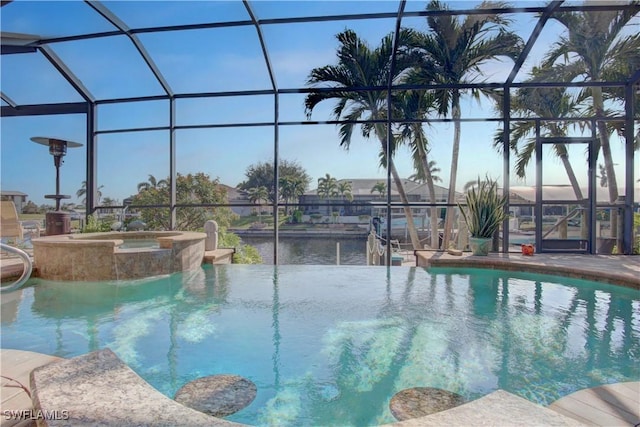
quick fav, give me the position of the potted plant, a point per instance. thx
(483, 214)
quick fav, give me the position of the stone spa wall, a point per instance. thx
(98, 256)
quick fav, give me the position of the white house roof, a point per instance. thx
(565, 192)
(12, 193)
(363, 186)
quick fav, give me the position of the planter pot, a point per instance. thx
(480, 245)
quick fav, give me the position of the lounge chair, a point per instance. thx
(11, 227)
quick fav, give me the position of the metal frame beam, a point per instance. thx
(389, 121)
(551, 8)
(8, 100)
(43, 109)
(276, 142)
(124, 29)
(66, 72)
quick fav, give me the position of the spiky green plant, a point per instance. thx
(485, 208)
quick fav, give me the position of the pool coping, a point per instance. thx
(622, 270)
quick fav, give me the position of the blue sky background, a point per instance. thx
(221, 59)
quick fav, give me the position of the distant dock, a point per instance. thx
(322, 233)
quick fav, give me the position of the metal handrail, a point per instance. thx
(26, 272)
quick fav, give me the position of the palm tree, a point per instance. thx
(327, 187)
(345, 190)
(452, 53)
(360, 67)
(420, 175)
(82, 191)
(257, 195)
(380, 188)
(417, 105)
(593, 49)
(152, 183)
(539, 102)
(291, 188)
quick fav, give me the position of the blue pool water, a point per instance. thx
(329, 345)
(139, 244)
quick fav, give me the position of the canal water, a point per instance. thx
(311, 250)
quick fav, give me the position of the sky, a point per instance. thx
(215, 60)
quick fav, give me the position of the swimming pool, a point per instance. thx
(332, 344)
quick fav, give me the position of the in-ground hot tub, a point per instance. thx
(117, 255)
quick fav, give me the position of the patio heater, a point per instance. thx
(57, 222)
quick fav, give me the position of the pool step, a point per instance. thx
(99, 389)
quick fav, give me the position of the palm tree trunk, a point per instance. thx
(605, 145)
(411, 227)
(612, 182)
(448, 222)
(435, 236)
(432, 195)
(572, 177)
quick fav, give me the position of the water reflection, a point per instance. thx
(311, 251)
(332, 344)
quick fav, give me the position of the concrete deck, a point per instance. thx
(607, 405)
(17, 365)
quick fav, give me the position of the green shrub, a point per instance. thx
(245, 254)
(296, 217)
(95, 225)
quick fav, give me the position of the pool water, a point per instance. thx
(330, 345)
(139, 244)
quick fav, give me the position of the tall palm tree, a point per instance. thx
(257, 195)
(539, 102)
(420, 175)
(380, 188)
(292, 187)
(359, 66)
(417, 105)
(152, 183)
(345, 190)
(286, 191)
(82, 191)
(593, 48)
(327, 187)
(451, 52)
